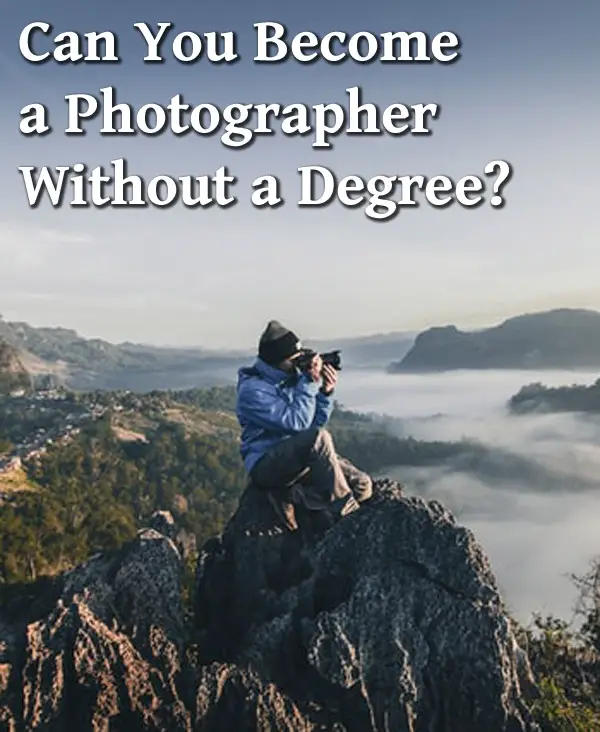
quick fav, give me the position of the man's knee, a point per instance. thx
(323, 441)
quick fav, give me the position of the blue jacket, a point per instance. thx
(272, 406)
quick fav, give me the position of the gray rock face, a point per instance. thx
(103, 648)
(13, 375)
(103, 644)
(389, 621)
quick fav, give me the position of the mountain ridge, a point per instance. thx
(69, 359)
(559, 338)
(563, 338)
(66, 358)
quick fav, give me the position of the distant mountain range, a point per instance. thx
(62, 356)
(372, 351)
(555, 339)
(561, 339)
(65, 357)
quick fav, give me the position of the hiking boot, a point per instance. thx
(350, 506)
(344, 506)
(284, 509)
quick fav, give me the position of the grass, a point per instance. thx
(16, 481)
(194, 420)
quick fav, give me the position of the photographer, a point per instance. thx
(283, 411)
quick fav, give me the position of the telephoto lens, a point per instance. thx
(333, 358)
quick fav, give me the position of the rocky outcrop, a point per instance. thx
(392, 620)
(13, 374)
(103, 644)
(106, 647)
(388, 621)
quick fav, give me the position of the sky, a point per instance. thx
(524, 90)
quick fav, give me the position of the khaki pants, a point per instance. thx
(308, 465)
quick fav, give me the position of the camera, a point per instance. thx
(332, 358)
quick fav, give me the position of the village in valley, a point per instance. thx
(36, 419)
(45, 417)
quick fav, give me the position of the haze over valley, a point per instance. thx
(532, 498)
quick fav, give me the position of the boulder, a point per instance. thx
(390, 620)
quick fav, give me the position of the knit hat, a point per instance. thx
(278, 343)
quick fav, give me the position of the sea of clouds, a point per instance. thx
(533, 503)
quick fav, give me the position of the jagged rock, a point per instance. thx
(229, 698)
(101, 647)
(104, 648)
(7, 699)
(82, 674)
(388, 621)
(185, 541)
(391, 620)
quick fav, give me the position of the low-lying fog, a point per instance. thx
(541, 520)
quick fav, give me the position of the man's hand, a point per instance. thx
(316, 367)
(329, 379)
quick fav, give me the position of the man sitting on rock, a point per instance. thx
(285, 447)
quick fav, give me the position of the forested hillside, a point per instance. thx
(540, 398)
(79, 473)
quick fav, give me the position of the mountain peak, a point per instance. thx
(563, 338)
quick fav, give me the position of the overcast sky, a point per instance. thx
(525, 90)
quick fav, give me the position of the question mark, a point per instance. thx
(504, 175)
